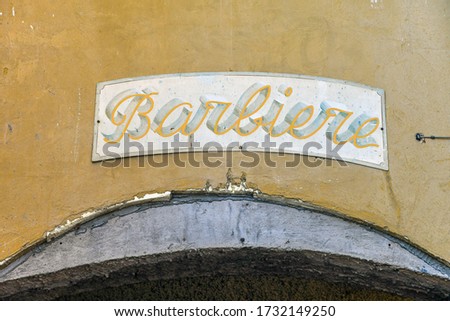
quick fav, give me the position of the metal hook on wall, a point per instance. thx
(421, 137)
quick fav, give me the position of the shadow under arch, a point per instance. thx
(213, 236)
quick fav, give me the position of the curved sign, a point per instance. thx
(250, 112)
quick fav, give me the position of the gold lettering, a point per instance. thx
(178, 124)
(142, 103)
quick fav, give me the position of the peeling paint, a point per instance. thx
(68, 225)
(153, 196)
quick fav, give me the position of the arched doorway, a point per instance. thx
(220, 246)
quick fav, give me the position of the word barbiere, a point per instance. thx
(214, 112)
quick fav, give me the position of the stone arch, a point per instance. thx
(208, 234)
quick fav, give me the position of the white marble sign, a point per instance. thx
(241, 111)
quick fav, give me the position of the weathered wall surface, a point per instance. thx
(52, 56)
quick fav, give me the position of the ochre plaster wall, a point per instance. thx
(52, 54)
